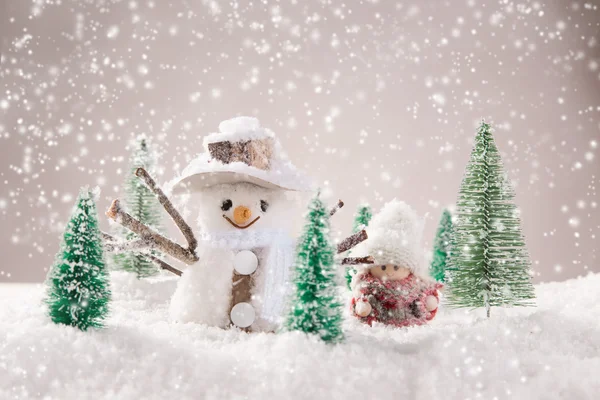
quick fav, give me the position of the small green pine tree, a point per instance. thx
(142, 205)
(489, 264)
(78, 290)
(441, 247)
(315, 308)
(361, 219)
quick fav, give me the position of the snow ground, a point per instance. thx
(549, 352)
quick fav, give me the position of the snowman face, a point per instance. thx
(240, 207)
(389, 272)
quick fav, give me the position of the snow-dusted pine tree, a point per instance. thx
(78, 292)
(142, 205)
(363, 215)
(489, 263)
(314, 307)
(441, 247)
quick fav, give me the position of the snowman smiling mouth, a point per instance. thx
(239, 226)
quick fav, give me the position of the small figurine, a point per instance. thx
(395, 290)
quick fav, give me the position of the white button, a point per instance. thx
(242, 315)
(245, 262)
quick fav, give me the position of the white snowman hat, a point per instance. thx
(242, 151)
(395, 235)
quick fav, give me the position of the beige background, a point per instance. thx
(375, 99)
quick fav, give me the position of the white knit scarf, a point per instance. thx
(274, 274)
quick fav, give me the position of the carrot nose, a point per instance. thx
(241, 215)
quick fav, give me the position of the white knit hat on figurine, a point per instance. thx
(395, 235)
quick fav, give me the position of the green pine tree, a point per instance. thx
(489, 263)
(142, 205)
(315, 308)
(361, 218)
(441, 247)
(78, 290)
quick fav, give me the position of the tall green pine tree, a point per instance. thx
(315, 308)
(441, 247)
(142, 205)
(489, 263)
(78, 289)
(361, 219)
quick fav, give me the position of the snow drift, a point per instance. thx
(549, 352)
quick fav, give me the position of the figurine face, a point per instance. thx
(389, 272)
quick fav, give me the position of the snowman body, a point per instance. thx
(245, 255)
(203, 292)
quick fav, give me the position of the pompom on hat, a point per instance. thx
(395, 235)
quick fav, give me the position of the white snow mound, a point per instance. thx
(548, 352)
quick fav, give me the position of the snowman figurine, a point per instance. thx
(395, 290)
(246, 195)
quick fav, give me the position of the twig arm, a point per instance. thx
(358, 260)
(116, 213)
(168, 206)
(161, 264)
(114, 245)
(335, 208)
(110, 241)
(352, 241)
(107, 237)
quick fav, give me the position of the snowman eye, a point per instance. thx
(264, 205)
(226, 205)
(383, 267)
(396, 268)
